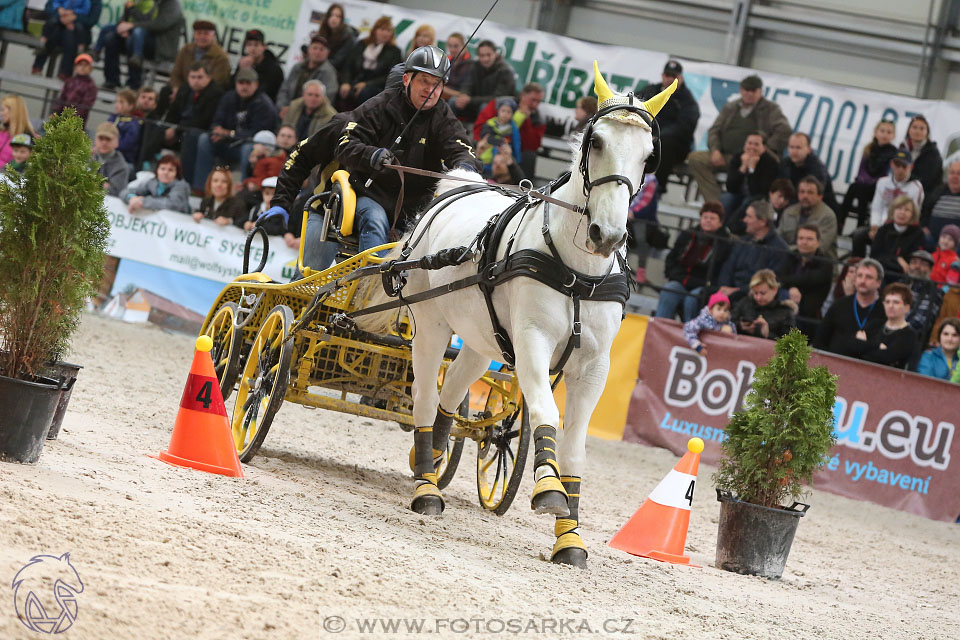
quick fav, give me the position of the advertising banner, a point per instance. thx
(895, 429)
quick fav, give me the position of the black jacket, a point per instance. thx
(758, 182)
(246, 117)
(353, 71)
(269, 74)
(487, 84)
(779, 317)
(678, 118)
(889, 244)
(837, 332)
(928, 167)
(435, 141)
(812, 166)
(204, 106)
(696, 257)
(813, 277)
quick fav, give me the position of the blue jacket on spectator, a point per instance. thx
(246, 117)
(749, 256)
(79, 7)
(129, 128)
(11, 14)
(933, 363)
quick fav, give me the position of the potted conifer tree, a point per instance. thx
(53, 232)
(774, 445)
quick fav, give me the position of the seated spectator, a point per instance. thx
(810, 209)
(504, 168)
(762, 314)
(802, 161)
(896, 342)
(874, 164)
(127, 124)
(67, 28)
(266, 161)
(315, 66)
(219, 204)
(341, 38)
(752, 112)
(890, 187)
(749, 177)
(462, 64)
(899, 237)
(693, 262)
(424, 36)
(942, 206)
(490, 78)
(11, 15)
(146, 106)
(498, 131)
(843, 285)
(286, 139)
(854, 322)
(205, 49)
(113, 167)
(759, 248)
(309, 113)
(365, 73)
(15, 120)
(642, 223)
(942, 361)
(528, 121)
(192, 111)
(21, 146)
(148, 30)
(927, 162)
(151, 130)
(807, 275)
(678, 120)
(258, 57)
(79, 90)
(240, 114)
(168, 190)
(946, 253)
(582, 114)
(927, 296)
(273, 225)
(713, 317)
(781, 195)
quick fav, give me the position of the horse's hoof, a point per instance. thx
(427, 505)
(571, 556)
(550, 502)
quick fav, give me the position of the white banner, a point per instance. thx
(172, 240)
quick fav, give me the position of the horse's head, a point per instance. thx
(614, 149)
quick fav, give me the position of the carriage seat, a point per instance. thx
(338, 207)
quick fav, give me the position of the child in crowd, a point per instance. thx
(79, 90)
(128, 125)
(22, 146)
(274, 225)
(504, 168)
(715, 316)
(112, 165)
(266, 160)
(167, 191)
(497, 131)
(946, 253)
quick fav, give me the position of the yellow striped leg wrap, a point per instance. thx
(442, 412)
(545, 446)
(567, 529)
(572, 486)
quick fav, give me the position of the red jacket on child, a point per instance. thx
(79, 92)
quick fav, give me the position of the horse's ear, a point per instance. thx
(600, 85)
(654, 104)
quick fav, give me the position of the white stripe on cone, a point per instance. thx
(676, 490)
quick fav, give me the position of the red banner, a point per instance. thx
(895, 429)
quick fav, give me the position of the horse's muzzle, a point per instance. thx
(604, 244)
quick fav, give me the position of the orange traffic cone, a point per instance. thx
(202, 438)
(658, 529)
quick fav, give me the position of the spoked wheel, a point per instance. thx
(226, 346)
(263, 382)
(501, 457)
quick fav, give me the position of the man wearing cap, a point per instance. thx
(737, 119)
(315, 66)
(677, 119)
(307, 114)
(240, 114)
(259, 58)
(154, 36)
(890, 187)
(927, 296)
(205, 49)
(113, 167)
(801, 161)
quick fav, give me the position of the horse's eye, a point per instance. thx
(597, 143)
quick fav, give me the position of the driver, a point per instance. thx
(364, 141)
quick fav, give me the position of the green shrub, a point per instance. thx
(784, 433)
(53, 233)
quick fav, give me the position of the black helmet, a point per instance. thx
(428, 59)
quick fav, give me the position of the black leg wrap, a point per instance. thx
(441, 429)
(549, 495)
(569, 548)
(423, 454)
(427, 499)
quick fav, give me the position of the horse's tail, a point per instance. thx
(370, 293)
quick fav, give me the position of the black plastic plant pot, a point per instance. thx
(28, 408)
(755, 540)
(66, 373)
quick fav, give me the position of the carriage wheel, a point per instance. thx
(226, 346)
(501, 457)
(451, 460)
(263, 383)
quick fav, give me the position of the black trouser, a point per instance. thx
(863, 195)
(673, 151)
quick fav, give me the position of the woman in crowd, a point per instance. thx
(942, 361)
(762, 314)
(844, 285)
(365, 73)
(340, 36)
(166, 191)
(424, 36)
(896, 342)
(927, 162)
(899, 237)
(13, 114)
(874, 164)
(219, 204)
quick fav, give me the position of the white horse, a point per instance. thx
(537, 318)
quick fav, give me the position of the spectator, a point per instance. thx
(889, 188)
(498, 131)
(272, 225)
(896, 343)
(762, 314)
(127, 125)
(942, 206)
(801, 161)
(316, 66)
(490, 77)
(899, 237)
(946, 253)
(341, 37)
(749, 177)
(259, 58)
(424, 36)
(504, 169)
(713, 317)
(806, 275)
(287, 138)
(192, 112)
(927, 296)
(219, 204)
(309, 113)
(240, 114)
(941, 361)
(15, 120)
(113, 167)
(782, 194)
(65, 29)
(459, 77)
(927, 162)
(21, 146)
(365, 73)
(582, 114)
(205, 49)
(693, 263)
(149, 29)
(146, 106)
(874, 164)
(852, 322)
(642, 217)
(677, 119)
(760, 248)
(844, 285)
(168, 190)
(79, 90)
(266, 160)
(528, 121)
(151, 136)
(11, 15)
(810, 209)
(752, 112)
